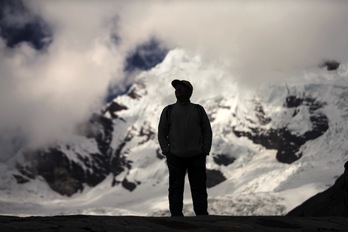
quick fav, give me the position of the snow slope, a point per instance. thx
(254, 181)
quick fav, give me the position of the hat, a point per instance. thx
(186, 83)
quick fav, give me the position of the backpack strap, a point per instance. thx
(200, 112)
(169, 111)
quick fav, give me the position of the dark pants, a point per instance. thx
(195, 167)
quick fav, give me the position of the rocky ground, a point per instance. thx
(79, 223)
(331, 202)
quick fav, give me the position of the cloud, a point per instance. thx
(256, 40)
(47, 92)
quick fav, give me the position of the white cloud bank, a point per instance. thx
(49, 92)
(254, 38)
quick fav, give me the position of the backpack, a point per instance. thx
(198, 107)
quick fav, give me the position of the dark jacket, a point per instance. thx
(188, 132)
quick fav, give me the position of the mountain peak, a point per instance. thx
(267, 143)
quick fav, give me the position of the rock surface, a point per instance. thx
(287, 144)
(79, 223)
(331, 202)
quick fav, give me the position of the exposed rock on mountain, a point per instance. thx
(330, 65)
(66, 170)
(214, 177)
(222, 159)
(283, 139)
(113, 108)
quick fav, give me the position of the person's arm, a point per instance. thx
(163, 132)
(207, 133)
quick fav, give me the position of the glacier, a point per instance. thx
(274, 146)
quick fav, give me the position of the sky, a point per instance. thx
(78, 51)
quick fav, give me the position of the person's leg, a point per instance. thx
(198, 178)
(177, 172)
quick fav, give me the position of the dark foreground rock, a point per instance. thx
(79, 223)
(331, 202)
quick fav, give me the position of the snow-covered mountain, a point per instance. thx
(273, 147)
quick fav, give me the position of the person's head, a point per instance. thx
(183, 90)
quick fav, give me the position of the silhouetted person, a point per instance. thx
(185, 137)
